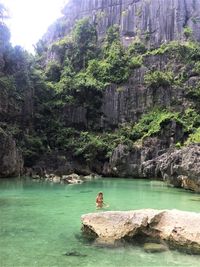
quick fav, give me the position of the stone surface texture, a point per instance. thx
(11, 163)
(157, 21)
(178, 229)
(180, 168)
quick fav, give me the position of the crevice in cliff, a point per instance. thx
(112, 5)
(187, 16)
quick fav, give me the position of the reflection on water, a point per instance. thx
(40, 222)
(195, 199)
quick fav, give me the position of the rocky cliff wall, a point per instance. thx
(155, 21)
(127, 102)
(11, 162)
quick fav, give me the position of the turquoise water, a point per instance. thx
(40, 222)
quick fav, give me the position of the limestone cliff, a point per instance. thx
(11, 162)
(151, 23)
(155, 21)
(110, 100)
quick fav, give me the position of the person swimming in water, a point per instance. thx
(99, 201)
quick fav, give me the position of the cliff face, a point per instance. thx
(151, 23)
(155, 21)
(82, 106)
(16, 104)
(127, 102)
(11, 162)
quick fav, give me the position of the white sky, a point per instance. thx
(30, 19)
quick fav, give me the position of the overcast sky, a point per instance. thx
(30, 19)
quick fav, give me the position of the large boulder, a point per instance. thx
(11, 162)
(129, 161)
(178, 229)
(180, 168)
(157, 158)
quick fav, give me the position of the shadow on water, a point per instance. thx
(195, 199)
(3, 203)
(75, 253)
(83, 239)
(14, 201)
(85, 191)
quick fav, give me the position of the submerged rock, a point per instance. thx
(92, 176)
(65, 179)
(72, 179)
(154, 247)
(75, 254)
(179, 229)
(108, 243)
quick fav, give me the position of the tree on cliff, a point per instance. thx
(85, 37)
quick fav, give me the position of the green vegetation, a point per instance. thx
(113, 69)
(157, 79)
(194, 137)
(92, 146)
(32, 147)
(137, 48)
(51, 95)
(98, 67)
(188, 32)
(53, 71)
(194, 93)
(85, 43)
(184, 51)
(136, 62)
(150, 123)
(190, 120)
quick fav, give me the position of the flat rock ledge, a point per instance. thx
(178, 229)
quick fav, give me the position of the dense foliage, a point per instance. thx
(78, 71)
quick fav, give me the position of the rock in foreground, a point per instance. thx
(179, 229)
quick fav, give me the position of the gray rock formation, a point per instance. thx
(11, 163)
(178, 229)
(155, 21)
(130, 162)
(127, 102)
(155, 159)
(180, 168)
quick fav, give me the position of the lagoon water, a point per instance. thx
(40, 222)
